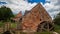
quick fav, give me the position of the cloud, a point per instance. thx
(19, 5)
(53, 7)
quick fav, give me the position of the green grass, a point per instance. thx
(1, 24)
(42, 33)
(13, 25)
(57, 28)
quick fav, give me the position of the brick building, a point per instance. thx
(37, 19)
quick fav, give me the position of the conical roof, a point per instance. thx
(19, 14)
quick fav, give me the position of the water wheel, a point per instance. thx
(45, 26)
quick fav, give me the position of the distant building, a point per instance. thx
(17, 17)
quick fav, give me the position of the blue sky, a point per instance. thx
(37, 1)
(51, 6)
(3, 2)
(30, 1)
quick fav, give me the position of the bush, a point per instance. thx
(57, 19)
(5, 13)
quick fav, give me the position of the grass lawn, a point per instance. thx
(56, 29)
(13, 25)
(1, 24)
(43, 33)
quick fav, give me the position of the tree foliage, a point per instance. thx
(57, 19)
(5, 13)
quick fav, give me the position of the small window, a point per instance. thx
(20, 18)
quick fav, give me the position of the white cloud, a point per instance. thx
(20, 5)
(53, 7)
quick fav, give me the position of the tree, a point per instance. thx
(57, 19)
(5, 13)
